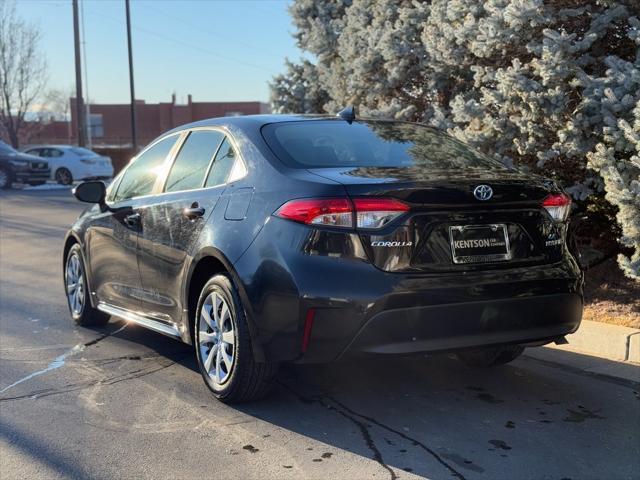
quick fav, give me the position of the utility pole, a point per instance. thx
(80, 123)
(134, 140)
(87, 107)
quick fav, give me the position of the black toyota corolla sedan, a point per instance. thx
(270, 239)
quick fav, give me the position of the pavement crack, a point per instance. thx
(59, 361)
(104, 335)
(362, 426)
(352, 413)
(413, 441)
(71, 387)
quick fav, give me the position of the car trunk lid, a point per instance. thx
(448, 227)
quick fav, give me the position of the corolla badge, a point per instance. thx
(483, 192)
(391, 244)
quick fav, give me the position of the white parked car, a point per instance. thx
(69, 163)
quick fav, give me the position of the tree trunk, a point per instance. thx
(13, 136)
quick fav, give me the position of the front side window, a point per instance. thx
(222, 165)
(141, 175)
(190, 167)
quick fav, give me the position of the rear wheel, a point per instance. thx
(223, 345)
(63, 176)
(75, 282)
(6, 178)
(489, 357)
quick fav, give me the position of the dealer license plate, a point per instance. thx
(479, 243)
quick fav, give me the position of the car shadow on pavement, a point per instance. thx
(24, 441)
(436, 418)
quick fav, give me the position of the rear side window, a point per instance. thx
(52, 153)
(141, 175)
(190, 167)
(222, 165)
(336, 143)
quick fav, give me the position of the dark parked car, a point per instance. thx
(19, 167)
(269, 239)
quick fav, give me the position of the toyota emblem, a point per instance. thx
(483, 192)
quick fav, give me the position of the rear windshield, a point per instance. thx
(336, 143)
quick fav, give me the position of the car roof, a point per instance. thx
(252, 122)
(51, 145)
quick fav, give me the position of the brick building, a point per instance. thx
(110, 124)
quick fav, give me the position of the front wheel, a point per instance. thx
(75, 282)
(489, 357)
(223, 345)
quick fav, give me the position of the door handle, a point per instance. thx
(193, 212)
(132, 219)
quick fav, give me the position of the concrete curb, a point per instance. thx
(613, 342)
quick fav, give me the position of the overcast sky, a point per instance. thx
(215, 50)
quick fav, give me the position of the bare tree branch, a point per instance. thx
(23, 70)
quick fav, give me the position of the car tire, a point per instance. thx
(63, 176)
(223, 345)
(6, 178)
(489, 357)
(76, 290)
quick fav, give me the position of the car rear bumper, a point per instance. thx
(469, 324)
(357, 307)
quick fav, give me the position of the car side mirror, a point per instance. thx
(90, 192)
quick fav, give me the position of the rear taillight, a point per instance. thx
(342, 212)
(377, 212)
(335, 212)
(558, 206)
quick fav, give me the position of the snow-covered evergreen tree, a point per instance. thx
(548, 85)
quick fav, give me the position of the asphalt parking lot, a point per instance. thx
(123, 402)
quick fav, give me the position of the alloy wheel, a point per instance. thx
(75, 284)
(216, 338)
(63, 176)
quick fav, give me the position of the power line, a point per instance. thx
(213, 33)
(183, 43)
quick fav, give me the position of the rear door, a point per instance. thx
(173, 222)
